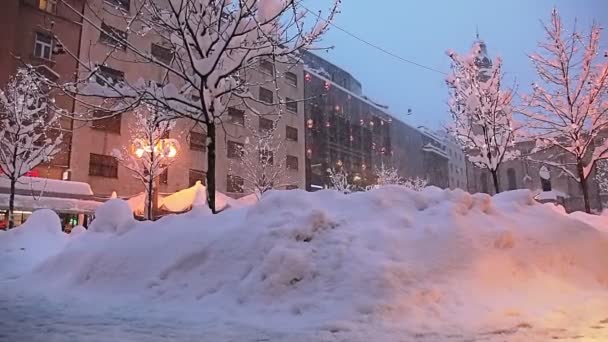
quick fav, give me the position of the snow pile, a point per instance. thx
(26, 246)
(114, 216)
(390, 258)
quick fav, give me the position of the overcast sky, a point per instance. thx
(421, 31)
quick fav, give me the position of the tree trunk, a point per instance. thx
(211, 166)
(583, 184)
(11, 205)
(495, 179)
(149, 201)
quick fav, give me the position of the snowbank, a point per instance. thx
(24, 247)
(390, 258)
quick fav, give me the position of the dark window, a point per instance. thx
(266, 124)
(103, 166)
(195, 176)
(113, 36)
(267, 67)
(109, 76)
(235, 150)
(43, 46)
(106, 121)
(266, 95)
(291, 133)
(163, 178)
(292, 162)
(236, 116)
(291, 187)
(234, 184)
(161, 53)
(124, 4)
(512, 179)
(291, 79)
(197, 141)
(291, 105)
(266, 157)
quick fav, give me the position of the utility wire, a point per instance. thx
(379, 48)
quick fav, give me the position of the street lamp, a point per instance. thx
(156, 156)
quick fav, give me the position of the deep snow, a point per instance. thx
(386, 265)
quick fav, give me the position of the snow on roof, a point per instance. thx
(42, 185)
(65, 205)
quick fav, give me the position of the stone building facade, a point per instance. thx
(525, 174)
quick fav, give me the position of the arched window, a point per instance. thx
(512, 179)
(484, 182)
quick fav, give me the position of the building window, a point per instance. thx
(234, 184)
(48, 5)
(291, 79)
(266, 157)
(235, 150)
(291, 187)
(512, 179)
(195, 176)
(112, 36)
(236, 116)
(266, 95)
(163, 178)
(545, 178)
(161, 53)
(124, 4)
(107, 76)
(106, 121)
(197, 141)
(292, 162)
(43, 46)
(266, 124)
(291, 105)
(291, 133)
(103, 166)
(267, 67)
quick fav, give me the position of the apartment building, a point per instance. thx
(347, 130)
(94, 142)
(29, 31)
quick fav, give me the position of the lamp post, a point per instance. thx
(155, 156)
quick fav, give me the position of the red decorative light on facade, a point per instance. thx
(337, 108)
(310, 123)
(327, 85)
(307, 77)
(309, 153)
(327, 124)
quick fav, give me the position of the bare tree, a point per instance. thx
(338, 180)
(151, 150)
(211, 44)
(481, 110)
(389, 175)
(570, 110)
(29, 128)
(261, 161)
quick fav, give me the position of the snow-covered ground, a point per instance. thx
(386, 265)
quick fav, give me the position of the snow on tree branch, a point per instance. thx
(262, 160)
(339, 181)
(151, 150)
(29, 126)
(388, 175)
(481, 109)
(568, 109)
